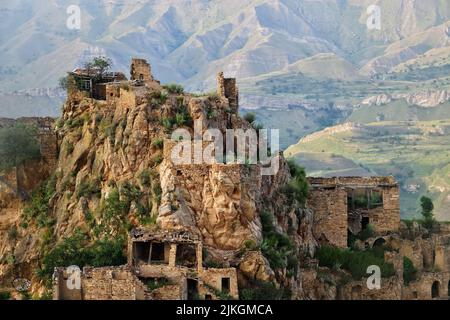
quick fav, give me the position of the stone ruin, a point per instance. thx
(347, 205)
(161, 266)
(141, 70)
(111, 85)
(24, 178)
(227, 88)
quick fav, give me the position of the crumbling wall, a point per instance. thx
(422, 288)
(141, 70)
(227, 88)
(391, 289)
(328, 199)
(388, 220)
(212, 279)
(330, 215)
(106, 283)
(170, 292)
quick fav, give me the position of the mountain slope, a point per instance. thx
(416, 153)
(199, 37)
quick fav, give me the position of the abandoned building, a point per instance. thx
(161, 266)
(348, 205)
(141, 70)
(107, 86)
(227, 88)
(93, 83)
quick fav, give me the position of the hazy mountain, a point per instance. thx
(416, 153)
(189, 40)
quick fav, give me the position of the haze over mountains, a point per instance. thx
(188, 41)
(303, 65)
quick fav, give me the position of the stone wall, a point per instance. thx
(328, 199)
(391, 289)
(212, 278)
(107, 283)
(422, 289)
(141, 70)
(330, 216)
(227, 88)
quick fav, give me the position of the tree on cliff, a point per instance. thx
(18, 144)
(100, 65)
(428, 220)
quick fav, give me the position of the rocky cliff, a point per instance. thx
(118, 149)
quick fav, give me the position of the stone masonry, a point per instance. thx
(333, 201)
(227, 88)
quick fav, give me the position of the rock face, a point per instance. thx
(122, 145)
(115, 170)
(426, 99)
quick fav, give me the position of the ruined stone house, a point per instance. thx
(161, 266)
(348, 205)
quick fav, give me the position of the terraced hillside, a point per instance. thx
(416, 153)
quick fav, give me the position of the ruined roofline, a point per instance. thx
(143, 235)
(352, 182)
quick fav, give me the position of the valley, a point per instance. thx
(416, 153)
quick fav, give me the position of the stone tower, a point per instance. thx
(227, 88)
(141, 70)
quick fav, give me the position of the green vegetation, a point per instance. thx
(167, 123)
(107, 127)
(174, 88)
(250, 117)
(5, 295)
(354, 261)
(18, 144)
(99, 65)
(145, 178)
(262, 290)
(219, 294)
(277, 247)
(366, 233)
(77, 250)
(250, 245)
(157, 98)
(13, 233)
(417, 154)
(180, 119)
(74, 123)
(69, 147)
(296, 121)
(158, 143)
(428, 220)
(89, 189)
(409, 271)
(114, 212)
(297, 188)
(154, 284)
(38, 208)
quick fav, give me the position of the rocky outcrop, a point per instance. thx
(426, 99)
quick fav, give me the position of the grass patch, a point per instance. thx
(354, 261)
(409, 271)
(277, 247)
(77, 250)
(262, 290)
(174, 88)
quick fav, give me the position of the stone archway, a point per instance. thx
(435, 289)
(379, 242)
